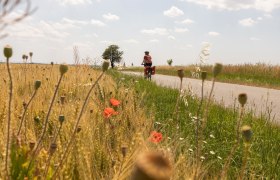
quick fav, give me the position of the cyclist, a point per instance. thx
(147, 60)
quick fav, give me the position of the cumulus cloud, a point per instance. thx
(171, 37)
(74, 2)
(154, 40)
(155, 31)
(262, 5)
(248, 22)
(97, 23)
(186, 21)
(111, 17)
(212, 33)
(181, 30)
(173, 12)
(131, 41)
(74, 22)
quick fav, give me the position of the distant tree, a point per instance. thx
(169, 62)
(113, 54)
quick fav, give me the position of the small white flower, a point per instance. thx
(157, 123)
(169, 138)
(181, 139)
(212, 152)
(219, 157)
(212, 136)
(202, 157)
(205, 142)
(191, 150)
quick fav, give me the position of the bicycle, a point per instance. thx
(148, 72)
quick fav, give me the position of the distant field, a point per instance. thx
(262, 75)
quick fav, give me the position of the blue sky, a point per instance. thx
(239, 31)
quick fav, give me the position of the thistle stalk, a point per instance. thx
(8, 53)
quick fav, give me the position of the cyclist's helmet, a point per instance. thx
(146, 52)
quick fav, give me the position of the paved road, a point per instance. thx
(261, 100)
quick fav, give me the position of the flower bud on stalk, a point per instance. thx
(63, 69)
(247, 133)
(53, 147)
(61, 118)
(217, 69)
(37, 84)
(242, 98)
(8, 51)
(181, 74)
(105, 65)
(203, 75)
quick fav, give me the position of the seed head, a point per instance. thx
(30, 54)
(151, 166)
(31, 145)
(52, 63)
(242, 98)
(8, 51)
(203, 75)
(217, 69)
(52, 149)
(105, 65)
(62, 99)
(181, 74)
(79, 128)
(124, 151)
(61, 118)
(247, 133)
(37, 84)
(63, 69)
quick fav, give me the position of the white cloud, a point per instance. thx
(254, 39)
(74, 2)
(111, 17)
(74, 22)
(248, 22)
(186, 21)
(212, 33)
(171, 37)
(262, 5)
(173, 12)
(97, 23)
(131, 41)
(181, 30)
(154, 40)
(155, 31)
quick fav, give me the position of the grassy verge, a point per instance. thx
(262, 75)
(219, 136)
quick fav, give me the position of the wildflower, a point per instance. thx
(63, 69)
(191, 150)
(108, 112)
(37, 84)
(219, 157)
(181, 138)
(212, 136)
(114, 102)
(212, 152)
(155, 137)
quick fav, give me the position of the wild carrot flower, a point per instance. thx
(155, 137)
(108, 112)
(114, 102)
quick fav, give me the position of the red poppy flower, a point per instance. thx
(155, 137)
(108, 112)
(114, 102)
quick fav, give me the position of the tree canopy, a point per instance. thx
(113, 53)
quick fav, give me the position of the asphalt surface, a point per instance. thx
(261, 101)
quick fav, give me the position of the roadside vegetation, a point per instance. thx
(260, 74)
(77, 122)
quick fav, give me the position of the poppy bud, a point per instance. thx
(37, 84)
(181, 73)
(124, 151)
(62, 99)
(53, 147)
(152, 166)
(247, 133)
(61, 118)
(217, 69)
(63, 69)
(30, 54)
(105, 65)
(8, 51)
(203, 75)
(31, 145)
(79, 128)
(242, 98)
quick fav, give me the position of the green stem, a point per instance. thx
(9, 119)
